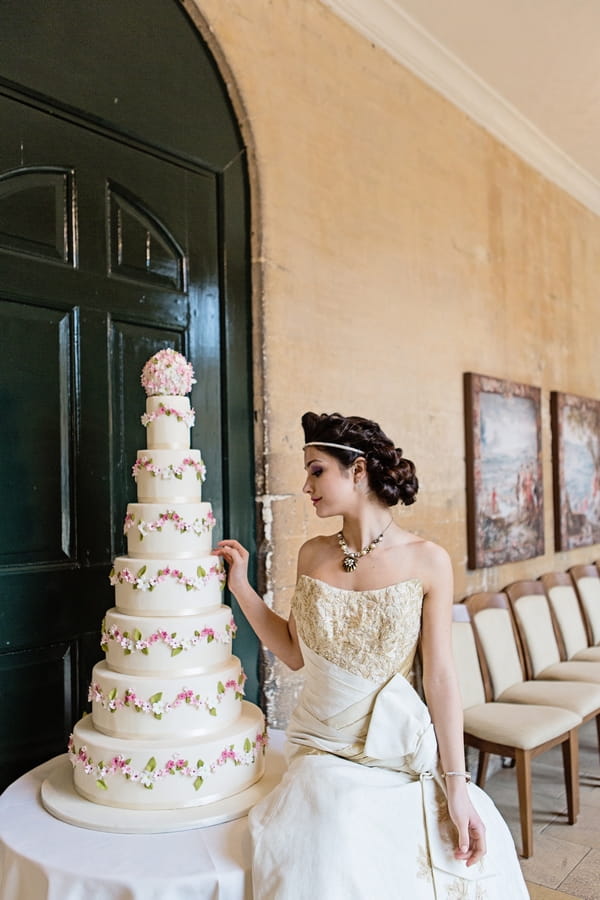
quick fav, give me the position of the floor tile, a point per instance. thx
(584, 880)
(585, 831)
(537, 892)
(552, 861)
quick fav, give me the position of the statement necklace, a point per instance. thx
(351, 557)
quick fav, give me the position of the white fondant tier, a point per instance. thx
(168, 774)
(175, 475)
(168, 420)
(187, 645)
(159, 706)
(146, 587)
(168, 530)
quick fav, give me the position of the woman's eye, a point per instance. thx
(317, 472)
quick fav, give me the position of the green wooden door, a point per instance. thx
(107, 253)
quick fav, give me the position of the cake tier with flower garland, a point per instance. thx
(169, 727)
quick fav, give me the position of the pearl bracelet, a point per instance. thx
(465, 775)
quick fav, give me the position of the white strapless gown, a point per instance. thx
(361, 813)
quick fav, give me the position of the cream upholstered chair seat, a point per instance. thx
(521, 725)
(568, 614)
(583, 698)
(571, 670)
(504, 666)
(506, 729)
(533, 617)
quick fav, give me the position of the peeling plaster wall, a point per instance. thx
(396, 245)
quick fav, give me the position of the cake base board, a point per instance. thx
(61, 800)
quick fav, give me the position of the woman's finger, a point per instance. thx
(477, 842)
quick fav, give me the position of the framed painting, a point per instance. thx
(575, 470)
(505, 497)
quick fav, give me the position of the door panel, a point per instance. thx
(36, 687)
(107, 254)
(36, 206)
(37, 452)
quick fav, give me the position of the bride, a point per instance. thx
(376, 802)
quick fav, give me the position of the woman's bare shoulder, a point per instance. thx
(312, 550)
(430, 561)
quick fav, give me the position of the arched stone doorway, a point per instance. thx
(124, 226)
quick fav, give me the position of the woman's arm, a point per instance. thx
(278, 634)
(443, 699)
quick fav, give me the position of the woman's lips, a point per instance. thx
(315, 500)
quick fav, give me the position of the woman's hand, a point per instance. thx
(236, 558)
(277, 633)
(471, 844)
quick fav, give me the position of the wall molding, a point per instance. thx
(389, 27)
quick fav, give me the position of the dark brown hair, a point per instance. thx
(391, 477)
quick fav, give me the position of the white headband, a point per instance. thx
(337, 446)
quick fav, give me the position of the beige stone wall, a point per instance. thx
(396, 246)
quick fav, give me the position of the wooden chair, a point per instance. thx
(540, 637)
(518, 731)
(568, 614)
(587, 584)
(503, 665)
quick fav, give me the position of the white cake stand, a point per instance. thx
(60, 798)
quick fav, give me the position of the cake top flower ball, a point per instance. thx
(167, 373)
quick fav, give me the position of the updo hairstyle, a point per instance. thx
(391, 477)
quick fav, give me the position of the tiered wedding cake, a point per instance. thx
(169, 726)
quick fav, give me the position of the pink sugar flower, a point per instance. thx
(128, 522)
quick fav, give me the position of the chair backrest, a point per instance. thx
(497, 638)
(587, 583)
(466, 660)
(531, 610)
(567, 611)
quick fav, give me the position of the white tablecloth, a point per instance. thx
(42, 858)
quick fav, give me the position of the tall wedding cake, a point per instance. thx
(169, 727)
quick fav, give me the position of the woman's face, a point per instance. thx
(329, 485)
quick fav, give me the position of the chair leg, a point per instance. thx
(482, 767)
(523, 766)
(598, 731)
(570, 751)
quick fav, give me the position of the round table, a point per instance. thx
(43, 858)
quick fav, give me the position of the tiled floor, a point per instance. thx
(566, 858)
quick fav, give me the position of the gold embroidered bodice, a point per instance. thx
(369, 633)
